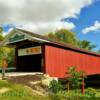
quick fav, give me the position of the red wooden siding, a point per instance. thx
(57, 60)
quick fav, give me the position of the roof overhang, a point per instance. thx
(16, 36)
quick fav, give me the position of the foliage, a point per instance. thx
(68, 37)
(55, 86)
(1, 29)
(98, 51)
(75, 77)
(63, 36)
(90, 92)
(1, 37)
(86, 45)
(11, 56)
(6, 53)
(19, 92)
(3, 54)
(72, 95)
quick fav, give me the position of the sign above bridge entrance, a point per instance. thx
(29, 51)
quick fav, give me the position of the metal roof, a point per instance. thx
(59, 44)
(46, 40)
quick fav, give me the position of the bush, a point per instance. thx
(75, 77)
(90, 92)
(72, 95)
(55, 86)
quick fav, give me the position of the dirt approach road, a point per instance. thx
(9, 74)
(37, 81)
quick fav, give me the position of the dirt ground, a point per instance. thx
(32, 81)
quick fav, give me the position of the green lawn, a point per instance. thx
(21, 92)
(18, 92)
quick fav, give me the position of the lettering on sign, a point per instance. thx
(29, 51)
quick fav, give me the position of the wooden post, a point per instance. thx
(16, 58)
(43, 59)
(68, 86)
(83, 89)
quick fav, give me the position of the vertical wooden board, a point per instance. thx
(58, 60)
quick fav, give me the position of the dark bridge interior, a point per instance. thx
(92, 81)
(30, 63)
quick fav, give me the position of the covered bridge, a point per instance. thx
(36, 53)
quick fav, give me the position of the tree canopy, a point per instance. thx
(68, 37)
(5, 52)
(86, 45)
(1, 36)
(98, 51)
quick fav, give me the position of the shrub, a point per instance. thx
(75, 77)
(55, 86)
(90, 92)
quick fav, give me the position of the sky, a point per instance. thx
(43, 16)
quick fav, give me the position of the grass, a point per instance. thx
(18, 92)
(21, 92)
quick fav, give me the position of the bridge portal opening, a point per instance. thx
(29, 59)
(29, 63)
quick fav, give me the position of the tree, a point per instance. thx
(75, 77)
(1, 29)
(1, 36)
(3, 60)
(98, 51)
(68, 37)
(86, 45)
(64, 36)
(5, 52)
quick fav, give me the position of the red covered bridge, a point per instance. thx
(37, 53)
